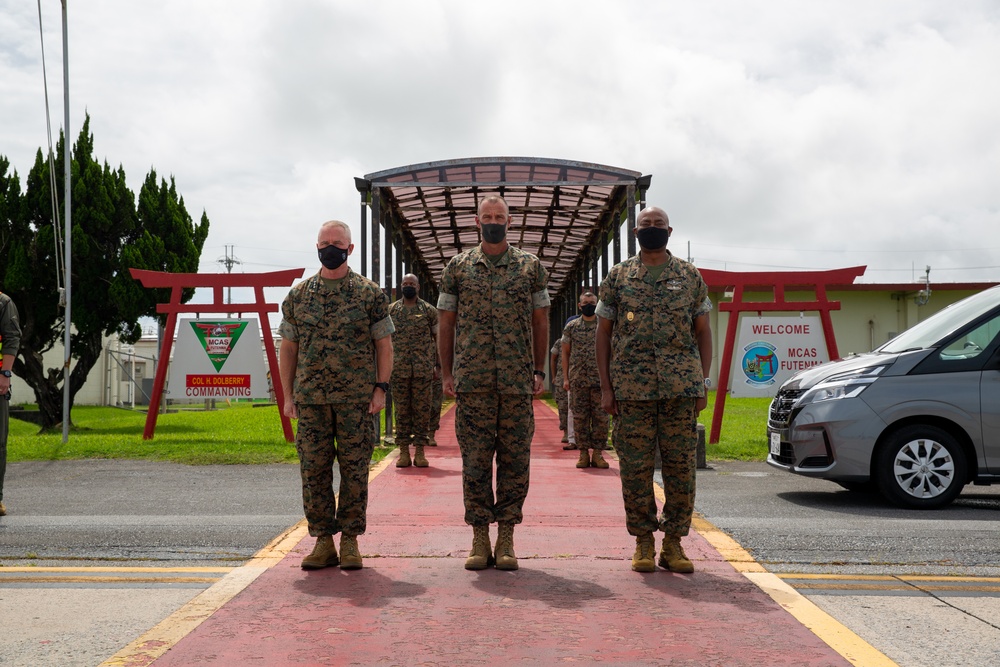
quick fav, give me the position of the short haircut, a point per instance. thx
(337, 223)
(493, 199)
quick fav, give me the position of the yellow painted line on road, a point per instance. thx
(112, 575)
(730, 549)
(221, 570)
(889, 582)
(150, 646)
(836, 635)
(898, 586)
(115, 580)
(888, 577)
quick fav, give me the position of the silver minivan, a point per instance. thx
(918, 418)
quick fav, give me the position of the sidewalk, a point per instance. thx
(574, 599)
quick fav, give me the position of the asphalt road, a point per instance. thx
(113, 513)
(796, 524)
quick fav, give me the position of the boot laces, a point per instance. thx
(349, 547)
(480, 541)
(647, 548)
(505, 540)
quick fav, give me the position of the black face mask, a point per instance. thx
(332, 257)
(494, 233)
(652, 238)
(409, 292)
(588, 309)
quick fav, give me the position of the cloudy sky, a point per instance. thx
(779, 135)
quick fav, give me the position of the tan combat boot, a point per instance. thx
(584, 461)
(480, 557)
(431, 442)
(419, 459)
(3, 509)
(645, 552)
(324, 554)
(350, 556)
(673, 558)
(505, 558)
(404, 457)
(597, 460)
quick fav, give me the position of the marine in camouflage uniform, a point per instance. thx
(10, 342)
(654, 352)
(579, 352)
(496, 297)
(335, 347)
(414, 347)
(558, 392)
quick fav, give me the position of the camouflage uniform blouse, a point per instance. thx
(335, 329)
(582, 338)
(10, 327)
(413, 349)
(494, 305)
(654, 353)
(557, 371)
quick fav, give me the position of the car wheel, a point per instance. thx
(921, 467)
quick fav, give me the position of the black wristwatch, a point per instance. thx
(5, 373)
(540, 374)
(384, 386)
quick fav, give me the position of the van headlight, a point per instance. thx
(844, 385)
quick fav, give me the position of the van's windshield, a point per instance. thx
(940, 325)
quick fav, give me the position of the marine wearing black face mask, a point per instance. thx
(494, 233)
(332, 257)
(652, 238)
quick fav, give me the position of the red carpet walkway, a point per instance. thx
(574, 599)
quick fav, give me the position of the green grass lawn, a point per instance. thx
(243, 434)
(228, 435)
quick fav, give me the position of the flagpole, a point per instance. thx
(68, 250)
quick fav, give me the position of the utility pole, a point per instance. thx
(229, 261)
(68, 248)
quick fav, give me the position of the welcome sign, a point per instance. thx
(770, 350)
(218, 359)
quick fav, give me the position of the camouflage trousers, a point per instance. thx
(590, 421)
(501, 426)
(342, 432)
(637, 430)
(562, 401)
(437, 399)
(412, 400)
(4, 426)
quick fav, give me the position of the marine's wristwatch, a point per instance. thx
(540, 374)
(708, 383)
(5, 373)
(384, 386)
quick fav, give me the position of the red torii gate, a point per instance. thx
(777, 281)
(177, 282)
